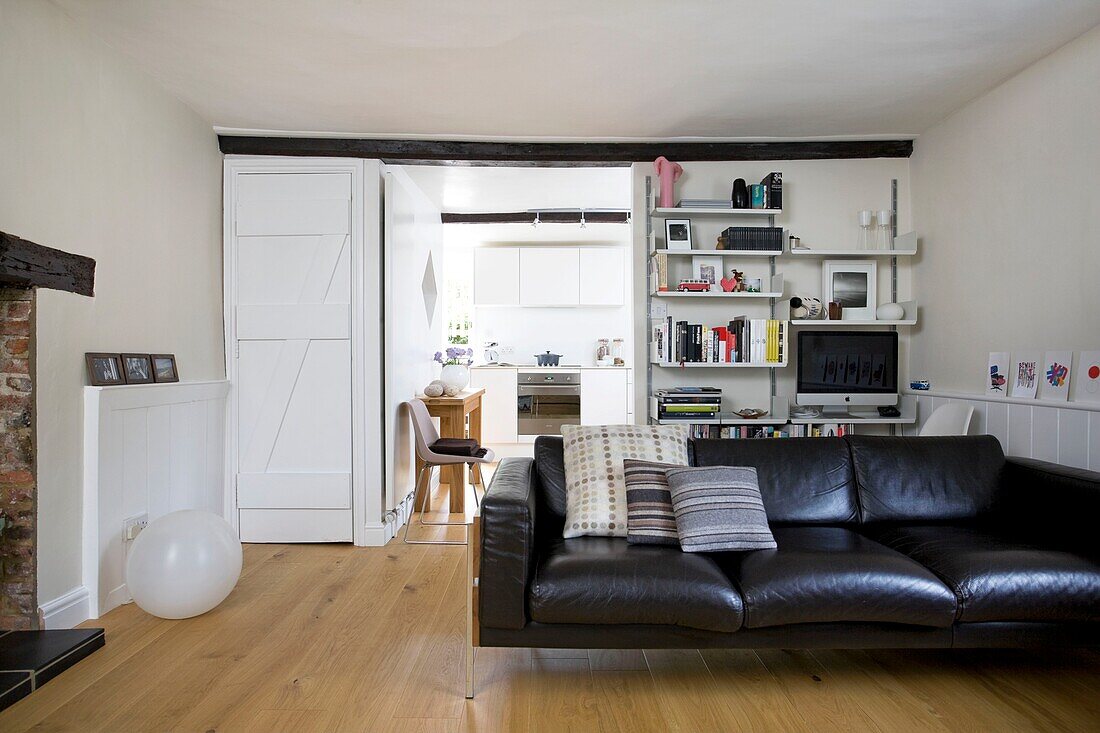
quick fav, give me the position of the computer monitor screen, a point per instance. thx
(847, 367)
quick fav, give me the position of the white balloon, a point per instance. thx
(183, 564)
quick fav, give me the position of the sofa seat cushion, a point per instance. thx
(834, 574)
(997, 577)
(605, 580)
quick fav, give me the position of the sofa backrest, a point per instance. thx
(550, 468)
(802, 480)
(926, 479)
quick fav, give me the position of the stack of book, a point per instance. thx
(742, 340)
(687, 403)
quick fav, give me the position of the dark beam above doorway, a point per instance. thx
(450, 152)
(545, 217)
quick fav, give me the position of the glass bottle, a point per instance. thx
(865, 240)
(884, 238)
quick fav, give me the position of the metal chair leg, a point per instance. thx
(440, 524)
(416, 503)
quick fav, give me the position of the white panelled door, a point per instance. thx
(293, 388)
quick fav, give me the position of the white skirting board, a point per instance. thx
(66, 611)
(1060, 432)
(148, 450)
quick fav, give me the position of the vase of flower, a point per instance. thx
(455, 374)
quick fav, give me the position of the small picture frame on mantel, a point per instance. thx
(164, 368)
(137, 368)
(104, 370)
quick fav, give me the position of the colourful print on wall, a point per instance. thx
(996, 384)
(1086, 384)
(1056, 375)
(1025, 376)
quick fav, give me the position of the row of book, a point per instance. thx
(687, 403)
(752, 239)
(827, 430)
(742, 340)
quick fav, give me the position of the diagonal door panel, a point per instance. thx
(269, 418)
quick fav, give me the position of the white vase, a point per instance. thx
(890, 312)
(455, 375)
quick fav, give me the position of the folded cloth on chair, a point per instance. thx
(458, 447)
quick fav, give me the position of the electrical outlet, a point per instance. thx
(132, 526)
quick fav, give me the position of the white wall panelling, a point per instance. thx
(1060, 432)
(148, 449)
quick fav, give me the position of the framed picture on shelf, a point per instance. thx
(709, 268)
(678, 235)
(137, 368)
(104, 370)
(853, 284)
(164, 368)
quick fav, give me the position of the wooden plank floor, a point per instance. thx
(336, 638)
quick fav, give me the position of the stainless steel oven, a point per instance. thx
(547, 400)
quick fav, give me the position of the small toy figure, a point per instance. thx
(734, 283)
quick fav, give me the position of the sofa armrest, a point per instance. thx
(507, 544)
(1052, 501)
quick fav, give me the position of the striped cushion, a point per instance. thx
(649, 517)
(718, 508)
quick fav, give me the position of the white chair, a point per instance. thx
(950, 419)
(426, 436)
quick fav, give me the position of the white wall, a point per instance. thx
(1005, 196)
(96, 159)
(821, 201)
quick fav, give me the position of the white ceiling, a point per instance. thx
(612, 69)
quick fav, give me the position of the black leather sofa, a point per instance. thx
(883, 542)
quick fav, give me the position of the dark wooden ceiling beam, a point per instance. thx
(450, 152)
(27, 264)
(545, 217)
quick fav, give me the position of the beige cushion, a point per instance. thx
(595, 487)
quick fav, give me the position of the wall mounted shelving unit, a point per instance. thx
(904, 246)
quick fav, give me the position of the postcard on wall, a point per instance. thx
(1025, 376)
(996, 382)
(1054, 375)
(1086, 377)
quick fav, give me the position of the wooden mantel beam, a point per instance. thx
(455, 152)
(27, 264)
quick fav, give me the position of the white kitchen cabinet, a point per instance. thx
(604, 396)
(496, 276)
(498, 405)
(602, 276)
(549, 276)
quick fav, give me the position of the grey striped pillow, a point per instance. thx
(718, 508)
(649, 516)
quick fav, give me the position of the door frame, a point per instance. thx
(368, 527)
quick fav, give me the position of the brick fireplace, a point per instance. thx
(18, 566)
(24, 267)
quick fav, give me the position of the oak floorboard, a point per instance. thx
(754, 701)
(345, 639)
(685, 691)
(617, 660)
(815, 694)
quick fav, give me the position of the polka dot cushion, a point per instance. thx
(595, 486)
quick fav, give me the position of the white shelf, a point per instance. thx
(849, 324)
(727, 421)
(706, 211)
(709, 365)
(718, 252)
(907, 407)
(715, 296)
(905, 245)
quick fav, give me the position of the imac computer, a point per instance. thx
(842, 369)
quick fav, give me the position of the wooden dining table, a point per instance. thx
(459, 417)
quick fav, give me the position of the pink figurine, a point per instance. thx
(669, 173)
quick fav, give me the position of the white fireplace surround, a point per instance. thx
(148, 450)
